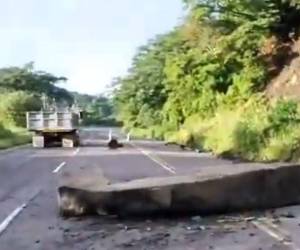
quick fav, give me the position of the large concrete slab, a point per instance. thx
(225, 189)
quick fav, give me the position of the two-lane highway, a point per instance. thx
(28, 205)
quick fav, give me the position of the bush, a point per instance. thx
(284, 145)
(154, 132)
(220, 137)
(13, 107)
(140, 133)
(247, 142)
(15, 140)
(13, 137)
(249, 136)
(283, 114)
(4, 133)
(255, 130)
(182, 137)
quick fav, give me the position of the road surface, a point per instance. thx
(29, 216)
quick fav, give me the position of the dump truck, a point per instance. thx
(51, 127)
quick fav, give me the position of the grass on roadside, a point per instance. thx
(13, 137)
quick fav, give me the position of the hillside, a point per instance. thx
(211, 82)
(287, 83)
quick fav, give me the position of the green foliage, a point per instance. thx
(200, 83)
(14, 105)
(154, 132)
(98, 110)
(220, 137)
(182, 137)
(140, 96)
(249, 138)
(15, 139)
(4, 132)
(249, 131)
(10, 137)
(248, 142)
(284, 113)
(37, 82)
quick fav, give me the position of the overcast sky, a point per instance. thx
(88, 41)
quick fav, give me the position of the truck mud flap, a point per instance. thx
(38, 141)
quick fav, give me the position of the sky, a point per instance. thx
(88, 41)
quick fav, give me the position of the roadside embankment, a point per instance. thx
(13, 137)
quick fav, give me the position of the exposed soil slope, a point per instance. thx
(287, 82)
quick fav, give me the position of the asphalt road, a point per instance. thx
(29, 216)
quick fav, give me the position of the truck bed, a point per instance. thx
(52, 121)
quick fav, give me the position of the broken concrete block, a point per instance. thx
(257, 188)
(86, 179)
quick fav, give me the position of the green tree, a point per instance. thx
(37, 82)
(14, 105)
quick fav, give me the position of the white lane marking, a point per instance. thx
(109, 135)
(157, 160)
(128, 137)
(275, 232)
(269, 231)
(160, 162)
(59, 167)
(11, 217)
(76, 152)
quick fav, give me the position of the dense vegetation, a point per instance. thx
(202, 84)
(98, 110)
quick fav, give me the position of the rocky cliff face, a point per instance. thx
(287, 81)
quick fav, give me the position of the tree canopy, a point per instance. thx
(36, 82)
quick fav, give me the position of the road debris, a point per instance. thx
(248, 219)
(196, 228)
(196, 218)
(114, 144)
(288, 215)
(229, 229)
